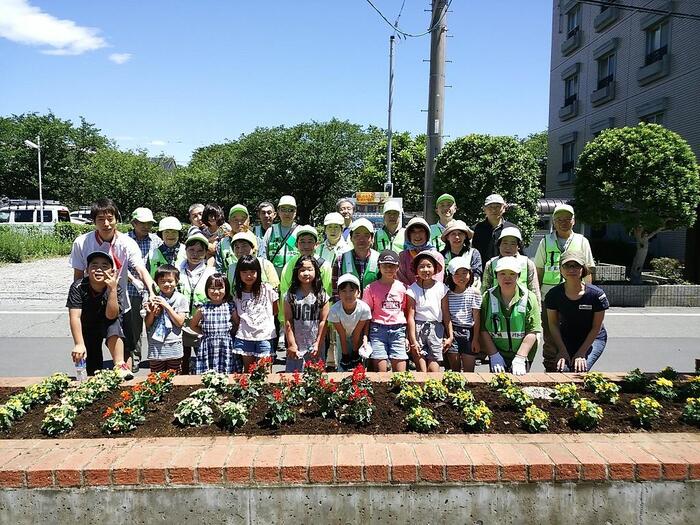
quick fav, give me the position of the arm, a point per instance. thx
(540, 276)
(447, 322)
(78, 274)
(322, 328)
(76, 330)
(476, 345)
(151, 314)
(112, 310)
(196, 319)
(146, 279)
(359, 334)
(178, 319)
(533, 283)
(486, 278)
(342, 335)
(411, 323)
(592, 334)
(289, 331)
(555, 332)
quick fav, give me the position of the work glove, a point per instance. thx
(519, 365)
(497, 363)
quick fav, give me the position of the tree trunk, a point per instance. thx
(640, 256)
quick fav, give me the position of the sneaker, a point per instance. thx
(124, 372)
(135, 362)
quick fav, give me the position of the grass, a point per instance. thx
(19, 245)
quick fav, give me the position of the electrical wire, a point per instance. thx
(404, 33)
(650, 10)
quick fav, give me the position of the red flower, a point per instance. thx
(358, 374)
(137, 388)
(296, 377)
(252, 367)
(118, 405)
(128, 410)
(108, 413)
(243, 381)
(126, 396)
(277, 394)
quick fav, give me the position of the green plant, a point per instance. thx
(635, 382)
(242, 390)
(400, 379)
(691, 388)
(587, 414)
(359, 407)
(647, 409)
(462, 398)
(668, 268)
(421, 419)
(516, 398)
(122, 418)
(477, 416)
(40, 393)
(591, 380)
(410, 396)
(535, 419)
(233, 414)
(691, 411)
(454, 381)
(662, 388)
(259, 369)
(193, 412)
(608, 392)
(566, 394)
(668, 373)
(434, 390)
(208, 395)
(214, 380)
(58, 419)
(501, 381)
(279, 409)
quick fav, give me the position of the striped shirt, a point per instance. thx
(462, 306)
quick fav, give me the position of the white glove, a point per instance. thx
(497, 363)
(519, 365)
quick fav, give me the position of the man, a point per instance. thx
(266, 215)
(488, 231)
(392, 235)
(547, 259)
(445, 208)
(279, 242)
(142, 222)
(195, 215)
(239, 220)
(346, 208)
(362, 261)
(123, 250)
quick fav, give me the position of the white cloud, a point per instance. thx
(26, 24)
(158, 143)
(120, 58)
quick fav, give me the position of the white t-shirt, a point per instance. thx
(428, 301)
(257, 319)
(123, 249)
(338, 314)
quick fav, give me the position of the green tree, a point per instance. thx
(644, 177)
(536, 143)
(473, 167)
(188, 186)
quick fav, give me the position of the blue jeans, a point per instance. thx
(388, 341)
(594, 352)
(252, 348)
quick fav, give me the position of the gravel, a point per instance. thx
(37, 285)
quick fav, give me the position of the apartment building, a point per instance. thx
(615, 65)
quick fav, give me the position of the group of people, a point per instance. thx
(229, 292)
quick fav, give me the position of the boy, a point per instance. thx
(94, 315)
(164, 319)
(350, 318)
(239, 220)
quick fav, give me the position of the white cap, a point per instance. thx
(392, 205)
(334, 218)
(508, 263)
(563, 208)
(306, 230)
(348, 278)
(494, 197)
(169, 223)
(287, 200)
(142, 215)
(247, 236)
(362, 223)
(457, 263)
(510, 231)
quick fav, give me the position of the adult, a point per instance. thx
(195, 215)
(510, 321)
(333, 244)
(457, 244)
(575, 313)
(245, 243)
(239, 220)
(445, 207)
(547, 262)
(417, 241)
(122, 248)
(266, 215)
(346, 208)
(391, 236)
(279, 242)
(142, 222)
(488, 231)
(361, 261)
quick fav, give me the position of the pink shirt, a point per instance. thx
(387, 302)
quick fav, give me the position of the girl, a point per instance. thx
(256, 308)
(386, 298)
(417, 240)
(214, 321)
(172, 251)
(464, 301)
(428, 313)
(350, 319)
(305, 313)
(457, 244)
(575, 312)
(214, 228)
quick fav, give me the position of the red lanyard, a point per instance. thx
(100, 241)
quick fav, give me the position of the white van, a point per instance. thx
(17, 212)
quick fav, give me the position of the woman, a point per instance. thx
(457, 244)
(575, 312)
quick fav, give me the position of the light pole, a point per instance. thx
(37, 147)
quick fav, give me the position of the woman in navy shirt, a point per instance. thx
(575, 311)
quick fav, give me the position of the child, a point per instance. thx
(386, 298)
(214, 321)
(350, 318)
(212, 222)
(165, 315)
(94, 315)
(171, 252)
(465, 303)
(256, 308)
(457, 244)
(428, 313)
(305, 313)
(417, 241)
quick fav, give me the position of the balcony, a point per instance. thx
(606, 18)
(656, 65)
(605, 91)
(570, 108)
(572, 42)
(655, 55)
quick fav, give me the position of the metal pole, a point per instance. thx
(436, 102)
(389, 185)
(41, 195)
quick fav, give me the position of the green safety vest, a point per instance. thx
(552, 255)
(288, 275)
(331, 254)
(224, 255)
(508, 332)
(347, 265)
(259, 232)
(231, 273)
(522, 278)
(157, 259)
(436, 237)
(198, 296)
(384, 241)
(281, 254)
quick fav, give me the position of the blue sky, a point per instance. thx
(170, 76)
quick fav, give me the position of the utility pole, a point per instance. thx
(436, 102)
(389, 187)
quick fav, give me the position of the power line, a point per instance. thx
(650, 10)
(404, 33)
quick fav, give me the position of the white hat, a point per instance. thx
(333, 218)
(362, 223)
(508, 263)
(348, 278)
(392, 205)
(510, 231)
(306, 229)
(169, 223)
(418, 221)
(142, 215)
(457, 263)
(560, 208)
(494, 197)
(247, 236)
(287, 200)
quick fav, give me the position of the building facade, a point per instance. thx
(615, 65)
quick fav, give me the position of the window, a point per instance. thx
(606, 70)
(24, 215)
(567, 157)
(573, 19)
(570, 90)
(48, 216)
(654, 118)
(4, 216)
(656, 43)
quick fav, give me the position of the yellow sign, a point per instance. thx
(371, 197)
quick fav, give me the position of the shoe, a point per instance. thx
(135, 362)
(124, 372)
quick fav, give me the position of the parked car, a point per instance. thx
(82, 216)
(16, 212)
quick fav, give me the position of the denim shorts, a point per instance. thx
(462, 343)
(388, 341)
(429, 335)
(252, 348)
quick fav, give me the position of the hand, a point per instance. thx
(446, 344)
(79, 352)
(563, 364)
(580, 364)
(497, 363)
(313, 350)
(292, 352)
(476, 346)
(519, 365)
(413, 348)
(111, 280)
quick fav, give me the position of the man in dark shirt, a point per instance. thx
(487, 231)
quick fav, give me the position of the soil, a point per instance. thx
(388, 418)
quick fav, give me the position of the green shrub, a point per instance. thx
(662, 388)
(608, 392)
(477, 416)
(535, 419)
(566, 394)
(18, 245)
(635, 382)
(587, 414)
(691, 411)
(647, 410)
(421, 419)
(669, 268)
(454, 381)
(668, 373)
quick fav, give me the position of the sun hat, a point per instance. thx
(457, 263)
(577, 257)
(305, 230)
(238, 208)
(348, 278)
(197, 237)
(287, 200)
(494, 198)
(392, 205)
(333, 218)
(445, 197)
(98, 253)
(561, 208)
(420, 222)
(438, 259)
(510, 231)
(362, 223)
(457, 225)
(142, 215)
(508, 263)
(169, 223)
(247, 236)
(388, 257)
